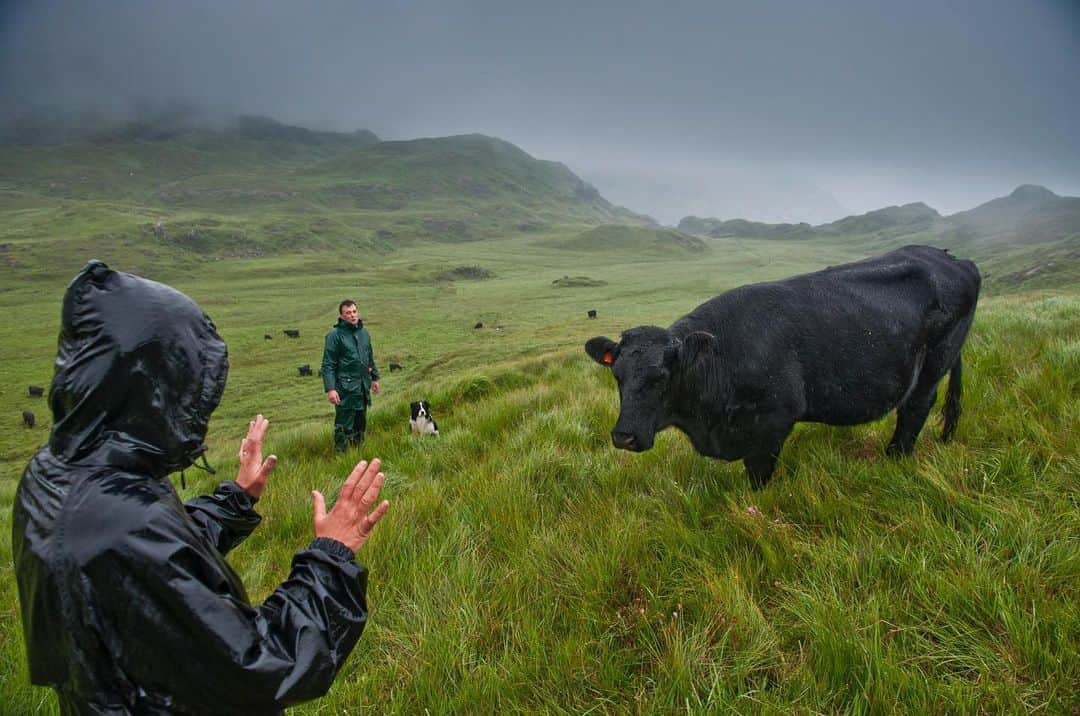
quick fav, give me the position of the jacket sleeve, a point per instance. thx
(226, 517)
(186, 630)
(371, 360)
(329, 362)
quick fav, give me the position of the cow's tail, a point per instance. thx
(952, 408)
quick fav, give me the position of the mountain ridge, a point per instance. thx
(1021, 200)
(1028, 237)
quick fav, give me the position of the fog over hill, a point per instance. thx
(769, 110)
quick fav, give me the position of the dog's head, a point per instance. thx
(420, 409)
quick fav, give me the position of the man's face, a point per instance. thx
(350, 314)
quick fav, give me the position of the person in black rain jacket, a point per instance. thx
(128, 605)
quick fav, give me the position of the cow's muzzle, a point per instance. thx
(626, 441)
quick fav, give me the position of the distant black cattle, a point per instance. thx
(28, 419)
(292, 332)
(36, 391)
(841, 346)
(592, 313)
(395, 367)
(267, 337)
(305, 369)
(479, 324)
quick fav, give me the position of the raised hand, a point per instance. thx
(254, 471)
(352, 519)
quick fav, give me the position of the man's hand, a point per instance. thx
(254, 470)
(351, 521)
(333, 397)
(374, 387)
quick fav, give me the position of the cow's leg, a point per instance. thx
(759, 468)
(910, 418)
(761, 463)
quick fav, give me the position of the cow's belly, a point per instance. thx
(729, 441)
(854, 396)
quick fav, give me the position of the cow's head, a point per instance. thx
(654, 369)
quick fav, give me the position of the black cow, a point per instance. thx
(304, 369)
(292, 332)
(267, 337)
(395, 367)
(841, 346)
(28, 419)
(36, 391)
(479, 324)
(592, 313)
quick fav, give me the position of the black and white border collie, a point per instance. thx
(421, 421)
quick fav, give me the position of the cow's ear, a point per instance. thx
(697, 346)
(601, 349)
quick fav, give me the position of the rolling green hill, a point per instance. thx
(1029, 239)
(153, 197)
(650, 240)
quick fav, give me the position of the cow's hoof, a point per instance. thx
(897, 450)
(758, 482)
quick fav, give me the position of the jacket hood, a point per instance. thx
(139, 370)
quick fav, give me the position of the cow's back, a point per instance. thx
(913, 275)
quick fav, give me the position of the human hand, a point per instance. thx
(254, 471)
(333, 397)
(374, 387)
(351, 521)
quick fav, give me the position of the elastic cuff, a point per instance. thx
(241, 498)
(333, 548)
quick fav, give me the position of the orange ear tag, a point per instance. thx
(608, 359)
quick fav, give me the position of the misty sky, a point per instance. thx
(779, 110)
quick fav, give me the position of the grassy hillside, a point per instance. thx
(527, 565)
(1027, 240)
(162, 199)
(615, 238)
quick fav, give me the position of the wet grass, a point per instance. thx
(525, 565)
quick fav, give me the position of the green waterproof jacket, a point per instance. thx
(348, 365)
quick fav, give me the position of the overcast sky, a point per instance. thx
(780, 110)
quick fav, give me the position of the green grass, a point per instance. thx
(525, 565)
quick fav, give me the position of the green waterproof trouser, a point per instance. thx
(349, 427)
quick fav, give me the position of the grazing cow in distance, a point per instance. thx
(28, 419)
(479, 324)
(592, 313)
(36, 391)
(292, 332)
(841, 346)
(395, 367)
(305, 369)
(267, 337)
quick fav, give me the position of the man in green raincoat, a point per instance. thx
(349, 375)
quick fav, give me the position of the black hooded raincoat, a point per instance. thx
(128, 605)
